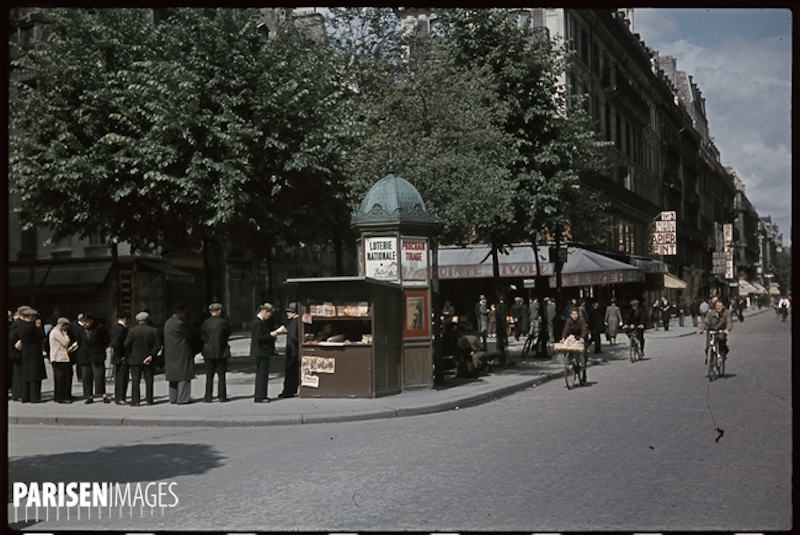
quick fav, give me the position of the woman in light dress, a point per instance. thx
(612, 320)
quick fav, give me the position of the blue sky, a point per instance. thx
(741, 59)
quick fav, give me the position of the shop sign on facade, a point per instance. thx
(663, 241)
(727, 240)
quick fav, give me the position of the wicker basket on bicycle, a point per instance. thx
(560, 347)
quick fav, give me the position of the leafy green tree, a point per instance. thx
(783, 264)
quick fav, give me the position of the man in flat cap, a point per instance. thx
(262, 346)
(216, 332)
(141, 347)
(291, 376)
(179, 343)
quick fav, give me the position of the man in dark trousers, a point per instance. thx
(596, 324)
(27, 338)
(262, 347)
(15, 355)
(291, 378)
(94, 359)
(216, 332)
(470, 355)
(180, 345)
(141, 347)
(118, 334)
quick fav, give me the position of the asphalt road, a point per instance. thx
(646, 446)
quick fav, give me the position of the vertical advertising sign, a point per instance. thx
(663, 239)
(414, 260)
(381, 258)
(727, 240)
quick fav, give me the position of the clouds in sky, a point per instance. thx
(741, 59)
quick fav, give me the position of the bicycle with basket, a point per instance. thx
(574, 361)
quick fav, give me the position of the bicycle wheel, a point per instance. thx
(633, 350)
(721, 367)
(638, 349)
(569, 371)
(712, 363)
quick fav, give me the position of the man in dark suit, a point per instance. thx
(142, 344)
(118, 359)
(262, 346)
(216, 332)
(291, 377)
(28, 338)
(180, 342)
(94, 359)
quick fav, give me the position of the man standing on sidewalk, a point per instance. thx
(216, 351)
(180, 345)
(118, 359)
(291, 377)
(262, 347)
(142, 345)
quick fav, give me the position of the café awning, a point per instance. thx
(745, 288)
(673, 282)
(582, 267)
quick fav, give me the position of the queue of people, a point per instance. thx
(137, 352)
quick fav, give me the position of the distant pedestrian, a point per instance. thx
(470, 356)
(142, 345)
(94, 359)
(291, 376)
(262, 346)
(655, 313)
(180, 345)
(516, 311)
(533, 317)
(612, 320)
(491, 324)
(59, 361)
(216, 332)
(694, 310)
(15, 354)
(118, 359)
(703, 309)
(596, 325)
(550, 316)
(666, 313)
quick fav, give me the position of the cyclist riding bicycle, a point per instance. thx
(575, 326)
(634, 319)
(718, 319)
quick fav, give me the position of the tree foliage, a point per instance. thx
(199, 126)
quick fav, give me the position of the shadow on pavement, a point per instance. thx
(131, 463)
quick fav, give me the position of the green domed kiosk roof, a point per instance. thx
(392, 199)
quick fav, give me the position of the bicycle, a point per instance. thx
(715, 360)
(636, 352)
(574, 363)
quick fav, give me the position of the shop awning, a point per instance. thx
(759, 288)
(673, 282)
(170, 272)
(649, 265)
(774, 288)
(745, 288)
(582, 268)
(72, 277)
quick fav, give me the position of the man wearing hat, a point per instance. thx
(141, 347)
(262, 345)
(291, 377)
(635, 320)
(216, 331)
(118, 359)
(28, 339)
(179, 343)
